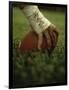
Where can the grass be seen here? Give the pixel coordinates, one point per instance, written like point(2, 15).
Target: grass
point(36, 68)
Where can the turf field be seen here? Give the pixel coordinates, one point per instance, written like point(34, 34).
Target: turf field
point(36, 68)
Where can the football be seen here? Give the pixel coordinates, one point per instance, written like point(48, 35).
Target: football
point(30, 42)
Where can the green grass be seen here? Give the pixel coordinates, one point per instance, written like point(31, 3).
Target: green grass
point(33, 68)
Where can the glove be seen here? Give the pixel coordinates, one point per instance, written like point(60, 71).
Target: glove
point(51, 35)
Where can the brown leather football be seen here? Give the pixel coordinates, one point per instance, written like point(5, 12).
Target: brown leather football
point(30, 41)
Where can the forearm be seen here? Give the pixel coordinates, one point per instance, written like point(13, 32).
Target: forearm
point(36, 18)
